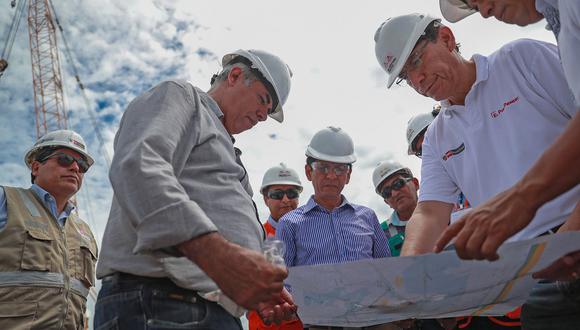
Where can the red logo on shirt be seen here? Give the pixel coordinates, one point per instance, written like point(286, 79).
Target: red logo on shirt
point(495, 114)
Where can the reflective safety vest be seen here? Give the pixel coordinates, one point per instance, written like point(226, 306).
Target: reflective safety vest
point(395, 234)
point(46, 270)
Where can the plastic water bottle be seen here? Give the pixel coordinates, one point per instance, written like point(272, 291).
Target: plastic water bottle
point(273, 251)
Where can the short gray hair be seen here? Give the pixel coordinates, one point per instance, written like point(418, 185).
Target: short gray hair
point(249, 76)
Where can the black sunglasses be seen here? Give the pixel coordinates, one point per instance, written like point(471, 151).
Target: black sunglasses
point(279, 194)
point(387, 191)
point(66, 160)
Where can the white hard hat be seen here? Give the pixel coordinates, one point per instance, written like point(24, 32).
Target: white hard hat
point(280, 174)
point(385, 169)
point(273, 69)
point(418, 124)
point(455, 10)
point(60, 138)
point(332, 144)
point(395, 40)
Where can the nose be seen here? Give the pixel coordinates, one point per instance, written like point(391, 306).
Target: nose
point(285, 198)
point(416, 78)
point(395, 192)
point(262, 114)
point(75, 167)
point(485, 8)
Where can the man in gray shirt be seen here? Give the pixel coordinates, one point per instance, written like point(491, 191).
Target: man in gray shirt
point(181, 246)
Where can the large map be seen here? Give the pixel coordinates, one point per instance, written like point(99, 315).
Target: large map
point(375, 291)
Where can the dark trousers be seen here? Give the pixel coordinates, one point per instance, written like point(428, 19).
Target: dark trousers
point(133, 302)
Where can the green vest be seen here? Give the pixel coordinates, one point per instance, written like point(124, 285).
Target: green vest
point(46, 270)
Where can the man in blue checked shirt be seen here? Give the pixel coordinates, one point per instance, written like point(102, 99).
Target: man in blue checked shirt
point(330, 229)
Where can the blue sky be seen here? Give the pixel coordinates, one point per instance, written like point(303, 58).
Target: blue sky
point(123, 48)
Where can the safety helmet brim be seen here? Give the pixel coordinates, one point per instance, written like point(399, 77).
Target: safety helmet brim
point(455, 10)
point(257, 63)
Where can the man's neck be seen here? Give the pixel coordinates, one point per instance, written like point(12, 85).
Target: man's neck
point(328, 203)
point(61, 201)
point(404, 215)
point(468, 74)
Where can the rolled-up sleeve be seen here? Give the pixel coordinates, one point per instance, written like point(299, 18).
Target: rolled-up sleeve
point(158, 130)
point(436, 185)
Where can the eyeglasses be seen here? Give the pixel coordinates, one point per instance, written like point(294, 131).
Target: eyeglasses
point(413, 62)
point(387, 191)
point(66, 160)
point(325, 169)
point(278, 194)
point(418, 148)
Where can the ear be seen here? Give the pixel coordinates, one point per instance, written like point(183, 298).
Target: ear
point(416, 183)
point(235, 75)
point(348, 175)
point(308, 171)
point(447, 38)
point(265, 198)
point(35, 165)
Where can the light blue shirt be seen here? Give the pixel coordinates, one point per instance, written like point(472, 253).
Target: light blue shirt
point(48, 201)
point(312, 235)
point(273, 222)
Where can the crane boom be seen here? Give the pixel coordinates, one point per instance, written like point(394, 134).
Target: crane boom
point(47, 80)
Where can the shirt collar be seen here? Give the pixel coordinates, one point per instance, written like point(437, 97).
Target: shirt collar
point(47, 199)
point(396, 221)
point(272, 222)
point(211, 103)
point(311, 204)
point(481, 74)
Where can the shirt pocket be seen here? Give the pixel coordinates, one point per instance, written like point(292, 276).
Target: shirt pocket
point(87, 261)
point(37, 249)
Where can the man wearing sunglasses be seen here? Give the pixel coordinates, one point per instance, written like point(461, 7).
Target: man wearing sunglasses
point(398, 188)
point(183, 230)
point(280, 188)
point(47, 253)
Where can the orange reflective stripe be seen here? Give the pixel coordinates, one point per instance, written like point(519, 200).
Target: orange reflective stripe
point(505, 323)
point(515, 314)
point(467, 320)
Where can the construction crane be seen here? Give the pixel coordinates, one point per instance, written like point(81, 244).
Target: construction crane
point(49, 101)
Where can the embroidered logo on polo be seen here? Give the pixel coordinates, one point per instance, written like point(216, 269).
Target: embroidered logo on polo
point(497, 113)
point(453, 152)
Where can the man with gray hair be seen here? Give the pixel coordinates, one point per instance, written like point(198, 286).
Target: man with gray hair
point(181, 247)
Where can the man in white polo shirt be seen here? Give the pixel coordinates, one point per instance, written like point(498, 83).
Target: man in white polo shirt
point(500, 113)
point(552, 305)
point(543, 181)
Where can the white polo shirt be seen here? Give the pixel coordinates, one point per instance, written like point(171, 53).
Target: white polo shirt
point(516, 108)
point(568, 22)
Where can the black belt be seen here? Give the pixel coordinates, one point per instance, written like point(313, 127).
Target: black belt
point(160, 284)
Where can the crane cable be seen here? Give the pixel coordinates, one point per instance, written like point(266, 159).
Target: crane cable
point(11, 35)
point(70, 60)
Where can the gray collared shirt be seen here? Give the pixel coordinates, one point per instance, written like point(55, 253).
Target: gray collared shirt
point(175, 177)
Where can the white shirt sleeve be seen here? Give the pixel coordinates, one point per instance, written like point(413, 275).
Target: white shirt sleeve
point(436, 185)
point(569, 44)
